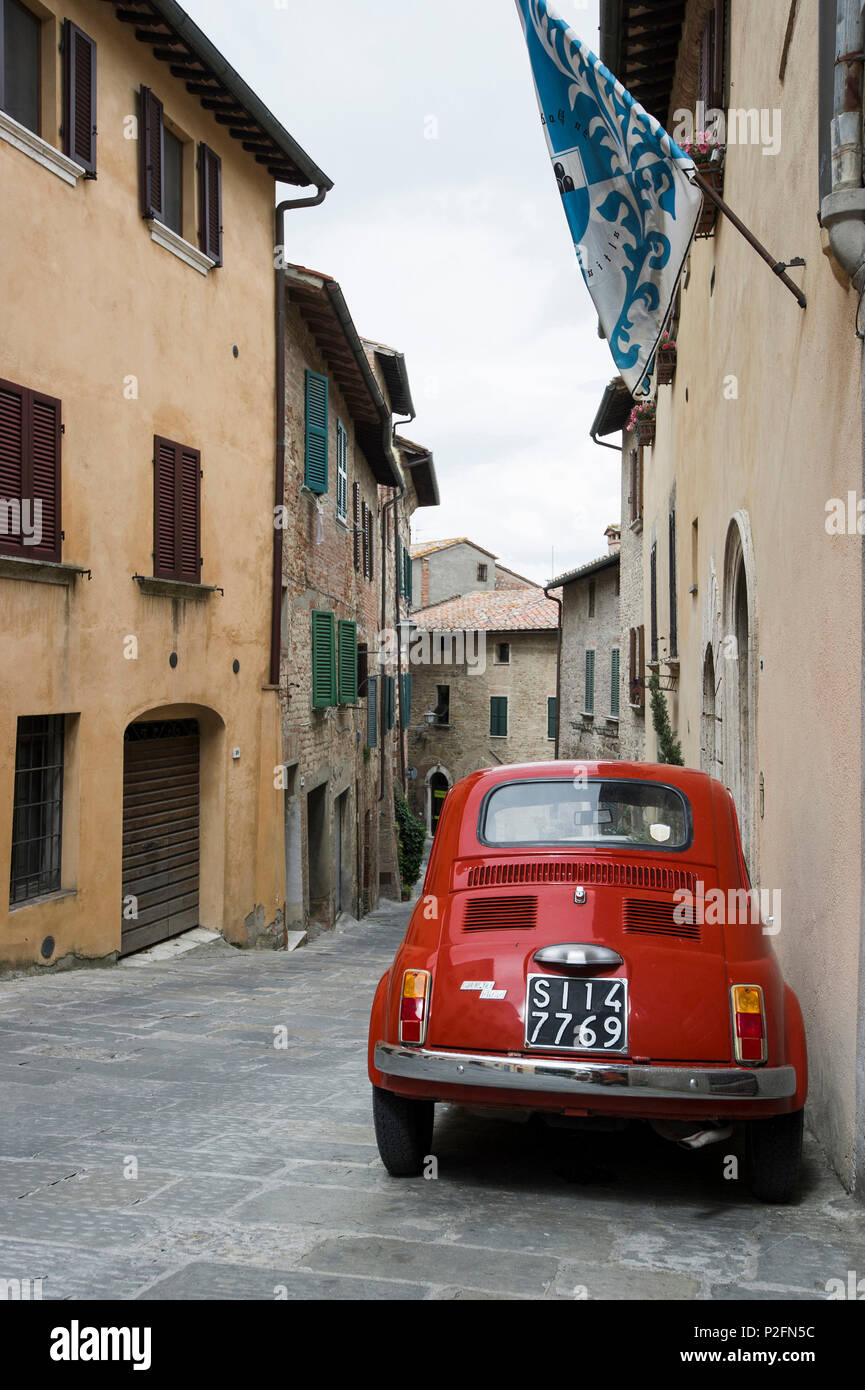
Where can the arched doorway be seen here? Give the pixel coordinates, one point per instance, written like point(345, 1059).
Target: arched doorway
point(709, 731)
point(438, 783)
point(739, 647)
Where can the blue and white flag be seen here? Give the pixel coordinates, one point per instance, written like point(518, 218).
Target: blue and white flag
point(625, 186)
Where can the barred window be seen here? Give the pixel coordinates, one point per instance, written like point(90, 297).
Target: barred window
point(38, 808)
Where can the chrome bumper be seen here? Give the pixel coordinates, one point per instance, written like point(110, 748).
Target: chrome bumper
point(549, 1075)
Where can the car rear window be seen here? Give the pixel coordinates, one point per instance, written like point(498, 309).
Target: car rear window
point(630, 814)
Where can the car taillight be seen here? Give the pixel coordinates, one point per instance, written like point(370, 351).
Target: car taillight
point(749, 1024)
point(414, 1006)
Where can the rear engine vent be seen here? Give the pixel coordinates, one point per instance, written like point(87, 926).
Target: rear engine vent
point(656, 918)
point(501, 914)
point(600, 871)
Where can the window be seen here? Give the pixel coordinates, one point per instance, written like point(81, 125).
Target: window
point(711, 69)
point(162, 156)
point(591, 598)
point(405, 682)
point(552, 715)
point(369, 543)
point(315, 448)
point(634, 815)
point(482, 573)
point(389, 694)
point(176, 511)
point(29, 473)
point(503, 653)
point(341, 472)
point(614, 683)
point(172, 182)
point(79, 97)
point(347, 666)
point(498, 716)
point(653, 599)
point(589, 703)
point(695, 554)
point(358, 516)
point(37, 816)
point(372, 712)
point(674, 602)
point(636, 667)
point(403, 569)
point(324, 691)
point(443, 705)
point(636, 497)
point(20, 39)
point(362, 670)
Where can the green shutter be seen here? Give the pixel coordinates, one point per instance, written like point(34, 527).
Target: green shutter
point(315, 469)
point(498, 716)
point(388, 701)
point(372, 712)
point(589, 706)
point(614, 683)
point(400, 569)
point(347, 662)
point(323, 659)
point(551, 716)
point(406, 555)
point(405, 698)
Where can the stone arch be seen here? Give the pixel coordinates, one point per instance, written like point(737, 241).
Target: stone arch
point(740, 648)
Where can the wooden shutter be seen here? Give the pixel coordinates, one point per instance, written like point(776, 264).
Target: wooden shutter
point(29, 473)
point(634, 692)
point(363, 538)
point(389, 701)
point(406, 559)
point(210, 203)
point(323, 659)
point(552, 704)
point(653, 599)
point(399, 569)
point(341, 471)
point(150, 143)
point(674, 601)
point(372, 712)
point(363, 676)
point(356, 516)
point(498, 715)
point(370, 544)
point(614, 682)
point(347, 662)
point(176, 511)
point(589, 705)
point(79, 97)
point(405, 682)
point(641, 663)
point(315, 471)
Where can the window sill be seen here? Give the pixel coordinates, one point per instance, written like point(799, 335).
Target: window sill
point(43, 898)
point(612, 719)
point(39, 571)
point(38, 149)
point(184, 250)
point(175, 588)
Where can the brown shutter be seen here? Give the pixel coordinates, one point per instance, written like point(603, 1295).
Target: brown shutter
point(210, 203)
point(362, 670)
point(79, 97)
point(365, 538)
point(30, 471)
point(176, 512)
point(641, 662)
point(150, 143)
point(370, 543)
point(356, 519)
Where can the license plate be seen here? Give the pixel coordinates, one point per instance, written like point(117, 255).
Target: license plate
point(577, 1015)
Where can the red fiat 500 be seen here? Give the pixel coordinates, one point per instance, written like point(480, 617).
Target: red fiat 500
point(587, 944)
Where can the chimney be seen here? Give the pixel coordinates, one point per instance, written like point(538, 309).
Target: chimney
point(614, 538)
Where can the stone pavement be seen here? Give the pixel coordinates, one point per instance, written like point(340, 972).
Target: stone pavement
point(155, 1143)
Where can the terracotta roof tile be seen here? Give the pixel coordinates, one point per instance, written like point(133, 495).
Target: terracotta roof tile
point(493, 610)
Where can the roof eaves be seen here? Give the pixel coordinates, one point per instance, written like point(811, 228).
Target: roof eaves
point(593, 567)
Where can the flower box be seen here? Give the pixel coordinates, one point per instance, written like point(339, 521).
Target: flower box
point(666, 367)
point(708, 155)
point(645, 431)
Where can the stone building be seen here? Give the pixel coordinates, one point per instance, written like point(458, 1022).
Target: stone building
point(592, 683)
point(350, 490)
point(139, 713)
point(443, 569)
point(491, 700)
point(750, 565)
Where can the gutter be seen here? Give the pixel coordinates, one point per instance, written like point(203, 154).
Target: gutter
point(560, 602)
point(842, 212)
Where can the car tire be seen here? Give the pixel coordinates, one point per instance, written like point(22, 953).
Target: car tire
point(774, 1148)
point(403, 1131)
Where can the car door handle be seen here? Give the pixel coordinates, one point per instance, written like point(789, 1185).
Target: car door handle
point(575, 955)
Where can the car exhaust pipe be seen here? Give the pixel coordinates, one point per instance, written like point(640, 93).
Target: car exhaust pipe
point(681, 1133)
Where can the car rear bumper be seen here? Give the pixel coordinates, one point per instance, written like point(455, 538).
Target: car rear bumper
point(549, 1075)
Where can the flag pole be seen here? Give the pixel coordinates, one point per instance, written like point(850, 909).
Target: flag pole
point(779, 267)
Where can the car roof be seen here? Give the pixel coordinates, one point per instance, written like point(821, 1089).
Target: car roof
point(685, 778)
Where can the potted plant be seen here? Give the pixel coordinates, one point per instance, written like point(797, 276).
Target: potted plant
point(666, 359)
point(707, 153)
point(642, 421)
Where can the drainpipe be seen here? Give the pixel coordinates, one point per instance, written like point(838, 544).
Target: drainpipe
point(843, 210)
point(397, 494)
point(279, 480)
point(558, 665)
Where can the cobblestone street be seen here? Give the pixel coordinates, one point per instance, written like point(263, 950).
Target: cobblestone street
point(258, 1175)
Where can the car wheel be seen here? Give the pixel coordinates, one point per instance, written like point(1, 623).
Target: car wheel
point(774, 1152)
point(403, 1131)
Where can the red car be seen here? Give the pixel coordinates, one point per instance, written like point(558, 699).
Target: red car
point(587, 945)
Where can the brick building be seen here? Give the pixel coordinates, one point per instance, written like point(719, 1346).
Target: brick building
point(498, 705)
point(443, 569)
point(350, 490)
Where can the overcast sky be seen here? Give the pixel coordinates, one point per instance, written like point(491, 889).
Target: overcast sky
point(453, 249)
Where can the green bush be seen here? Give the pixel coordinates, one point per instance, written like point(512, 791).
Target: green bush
point(411, 836)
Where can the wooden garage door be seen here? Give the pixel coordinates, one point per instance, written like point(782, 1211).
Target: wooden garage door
point(160, 832)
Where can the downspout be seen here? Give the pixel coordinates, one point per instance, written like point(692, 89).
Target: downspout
point(558, 667)
point(397, 494)
point(279, 480)
point(843, 211)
